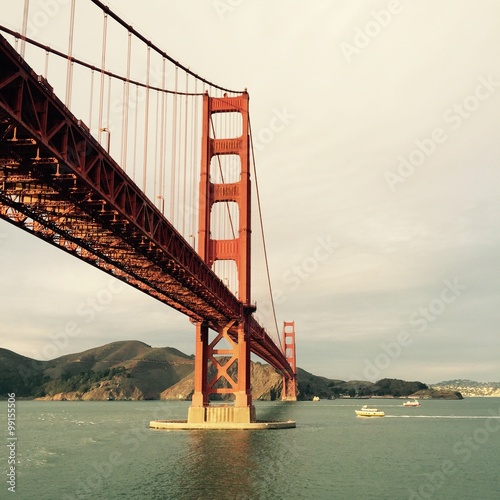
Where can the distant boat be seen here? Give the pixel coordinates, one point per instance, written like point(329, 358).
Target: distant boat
point(316, 398)
point(369, 412)
point(412, 402)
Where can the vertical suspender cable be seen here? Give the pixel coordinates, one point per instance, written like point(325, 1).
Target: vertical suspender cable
point(126, 97)
point(156, 150)
point(146, 124)
point(194, 162)
point(178, 163)
point(174, 152)
point(46, 70)
point(69, 73)
point(24, 27)
point(184, 187)
point(91, 98)
point(165, 144)
point(161, 186)
point(110, 80)
point(103, 66)
point(136, 126)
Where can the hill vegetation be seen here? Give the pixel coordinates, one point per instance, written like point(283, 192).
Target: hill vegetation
point(311, 385)
point(132, 370)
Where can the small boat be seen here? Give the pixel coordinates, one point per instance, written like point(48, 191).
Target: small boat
point(315, 398)
point(369, 412)
point(412, 403)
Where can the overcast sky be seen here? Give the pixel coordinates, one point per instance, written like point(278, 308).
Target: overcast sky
point(377, 133)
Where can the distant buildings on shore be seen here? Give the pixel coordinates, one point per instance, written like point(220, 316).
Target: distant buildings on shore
point(470, 388)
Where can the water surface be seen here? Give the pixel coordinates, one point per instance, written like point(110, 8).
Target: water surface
point(105, 450)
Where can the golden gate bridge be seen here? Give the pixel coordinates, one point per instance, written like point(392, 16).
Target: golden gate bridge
point(143, 171)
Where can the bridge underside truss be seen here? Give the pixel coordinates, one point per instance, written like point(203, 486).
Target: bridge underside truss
point(58, 183)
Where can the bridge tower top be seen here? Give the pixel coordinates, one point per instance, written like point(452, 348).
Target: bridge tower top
point(234, 186)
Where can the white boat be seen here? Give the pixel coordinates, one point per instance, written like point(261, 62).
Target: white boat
point(369, 412)
point(315, 398)
point(413, 403)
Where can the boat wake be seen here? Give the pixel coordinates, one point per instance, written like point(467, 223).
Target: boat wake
point(446, 416)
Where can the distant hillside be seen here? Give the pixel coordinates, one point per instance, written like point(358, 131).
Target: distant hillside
point(132, 370)
point(311, 385)
point(470, 388)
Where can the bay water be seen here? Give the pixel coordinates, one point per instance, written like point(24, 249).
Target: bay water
point(105, 450)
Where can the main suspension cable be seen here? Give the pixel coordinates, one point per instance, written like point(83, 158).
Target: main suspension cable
point(143, 39)
point(92, 67)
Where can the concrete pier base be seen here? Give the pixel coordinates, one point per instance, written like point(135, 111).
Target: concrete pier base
point(220, 417)
point(221, 413)
point(183, 425)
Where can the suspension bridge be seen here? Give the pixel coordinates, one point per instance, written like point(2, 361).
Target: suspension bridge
point(116, 153)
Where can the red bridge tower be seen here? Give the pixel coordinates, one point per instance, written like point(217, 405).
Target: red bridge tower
point(288, 347)
point(232, 376)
